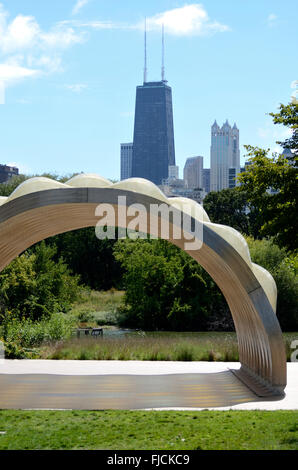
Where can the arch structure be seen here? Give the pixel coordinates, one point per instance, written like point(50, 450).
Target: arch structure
point(41, 207)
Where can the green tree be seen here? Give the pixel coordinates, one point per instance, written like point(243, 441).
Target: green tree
point(230, 207)
point(165, 288)
point(34, 285)
point(284, 270)
point(92, 259)
point(288, 116)
point(9, 186)
point(277, 210)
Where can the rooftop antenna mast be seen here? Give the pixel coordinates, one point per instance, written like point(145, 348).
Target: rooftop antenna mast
point(163, 55)
point(145, 52)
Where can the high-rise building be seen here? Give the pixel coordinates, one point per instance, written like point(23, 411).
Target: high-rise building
point(173, 172)
point(6, 172)
point(233, 177)
point(153, 141)
point(206, 180)
point(153, 148)
point(193, 173)
point(126, 160)
point(225, 154)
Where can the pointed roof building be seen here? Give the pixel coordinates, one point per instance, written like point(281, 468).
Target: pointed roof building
point(215, 125)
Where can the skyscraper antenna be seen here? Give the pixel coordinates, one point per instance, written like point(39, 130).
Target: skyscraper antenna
point(163, 54)
point(145, 52)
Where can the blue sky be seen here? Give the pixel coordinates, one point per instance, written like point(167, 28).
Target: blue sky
point(69, 69)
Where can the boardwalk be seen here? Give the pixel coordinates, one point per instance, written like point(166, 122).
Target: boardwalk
point(128, 385)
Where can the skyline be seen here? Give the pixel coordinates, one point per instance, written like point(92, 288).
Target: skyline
point(71, 72)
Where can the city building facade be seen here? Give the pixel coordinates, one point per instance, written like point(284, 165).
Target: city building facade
point(193, 173)
point(126, 160)
point(224, 154)
point(7, 172)
point(153, 141)
point(173, 172)
point(206, 180)
point(176, 188)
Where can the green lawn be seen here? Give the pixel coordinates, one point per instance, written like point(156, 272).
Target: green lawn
point(151, 430)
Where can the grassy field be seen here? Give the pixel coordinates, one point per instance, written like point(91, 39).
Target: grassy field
point(152, 346)
point(56, 338)
point(97, 308)
point(153, 430)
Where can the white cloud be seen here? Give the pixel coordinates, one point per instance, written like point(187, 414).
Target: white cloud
point(76, 88)
point(12, 73)
point(21, 33)
point(61, 37)
point(271, 19)
point(95, 24)
point(78, 6)
point(27, 51)
point(24, 33)
point(187, 20)
point(46, 63)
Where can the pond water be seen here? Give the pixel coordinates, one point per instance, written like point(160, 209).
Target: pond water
point(118, 333)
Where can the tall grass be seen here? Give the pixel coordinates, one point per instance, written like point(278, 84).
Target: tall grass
point(157, 346)
point(151, 347)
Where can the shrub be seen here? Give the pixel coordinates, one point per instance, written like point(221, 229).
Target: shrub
point(84, 316)
point(58, 327)
point(283, 268)
point(14, 351)
point(35, 286)
point(25, 333)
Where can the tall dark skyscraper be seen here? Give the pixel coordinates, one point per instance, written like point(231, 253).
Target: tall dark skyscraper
point(153, 141)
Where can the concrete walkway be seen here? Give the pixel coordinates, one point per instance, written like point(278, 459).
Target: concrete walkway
point(50, 384)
